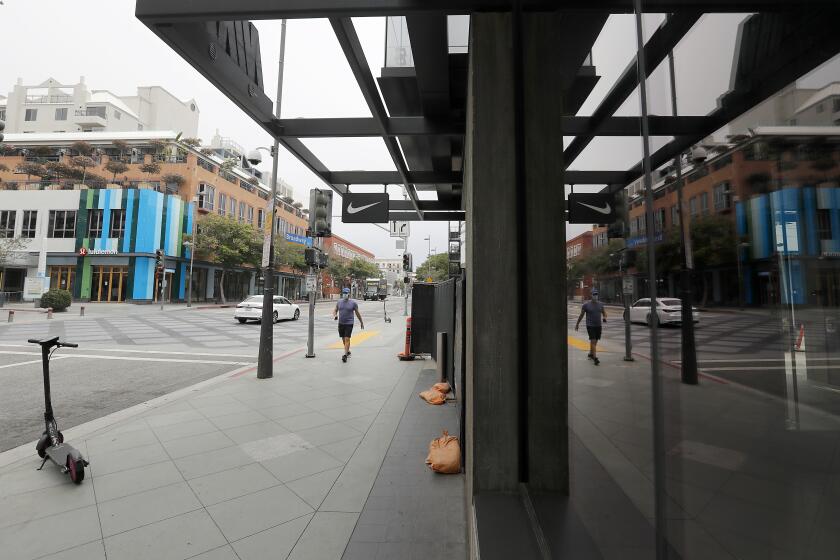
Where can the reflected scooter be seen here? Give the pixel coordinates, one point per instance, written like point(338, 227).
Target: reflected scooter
point(51, 445)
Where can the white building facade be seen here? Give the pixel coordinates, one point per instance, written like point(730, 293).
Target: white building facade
point(51, 107)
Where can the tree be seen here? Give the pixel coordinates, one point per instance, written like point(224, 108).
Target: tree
point(42, 151)
point(6, 149)
point(173, 179)
point(115, 166)
point(3, 168)
point(84, 162)
point(229, 243)
point(191, 142)
point(360, 268)
point(291, 255)
point(157, 145)
point(82, 148)
point(57, 170)
point(31, 168)
point(228, 164)
point(8, 245)
point(121, 146)
point(713, 245)
point(436, 266)
point(150, 168)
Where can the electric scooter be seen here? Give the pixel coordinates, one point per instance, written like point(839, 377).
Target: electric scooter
point(51, 445)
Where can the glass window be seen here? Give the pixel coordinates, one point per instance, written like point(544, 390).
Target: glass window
point(675, 215)
point(692, 206)
point(251, 215)
point(94, 224)
point(837, 104)
point(62, 224)
point(96, 112)
point(206, 197)
point(222, 204)
point(242, 211)
point(61, 114)
point(117, 223)
point(260, 218)
point(29, 225)
point(117, 115)
point(824, 224)
point(31, 115)
point(704, 203)
point(2, 113)
point(233, 208)
point(721, 193)
point(7, 223)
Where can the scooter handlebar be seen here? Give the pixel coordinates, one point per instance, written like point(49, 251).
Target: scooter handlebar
point(34, 341)
point(68, 344)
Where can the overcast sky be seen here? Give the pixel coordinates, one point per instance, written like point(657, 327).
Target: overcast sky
point(103, 41)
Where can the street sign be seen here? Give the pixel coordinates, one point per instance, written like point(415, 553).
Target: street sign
point(310, 282)
point(591, 208)
point(399, 229)
point(366, 208)
point(627, 285)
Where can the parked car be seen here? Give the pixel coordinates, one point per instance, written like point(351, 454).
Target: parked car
point(668, 311)
point(251, 309)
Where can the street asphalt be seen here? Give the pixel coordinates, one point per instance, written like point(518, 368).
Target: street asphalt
point(129, 358)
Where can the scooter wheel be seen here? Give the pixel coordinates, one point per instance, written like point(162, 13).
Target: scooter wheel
point(41, 446)
point(76, 469)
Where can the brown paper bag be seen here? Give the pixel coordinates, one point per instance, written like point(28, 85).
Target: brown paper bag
point(442, 387)
point(445, 454)
point(433, 397)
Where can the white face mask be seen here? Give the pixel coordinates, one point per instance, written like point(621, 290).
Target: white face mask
point(594, 297)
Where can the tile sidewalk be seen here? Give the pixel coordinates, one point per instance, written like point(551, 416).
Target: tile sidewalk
point(238, 468)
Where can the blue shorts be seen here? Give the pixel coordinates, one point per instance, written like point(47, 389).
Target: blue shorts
point(345, 331)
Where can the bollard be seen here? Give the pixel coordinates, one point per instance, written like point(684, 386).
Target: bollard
point(11, 315)
point(81, 311)
point(406, 354)
point(49, 313)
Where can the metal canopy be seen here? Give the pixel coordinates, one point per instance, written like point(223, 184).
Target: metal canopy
point(422, 117)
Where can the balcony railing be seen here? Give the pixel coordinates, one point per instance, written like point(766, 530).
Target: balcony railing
point(33, 99)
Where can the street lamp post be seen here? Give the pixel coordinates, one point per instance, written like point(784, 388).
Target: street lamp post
point(265, 363)
point(429, 239)
point(688, 347)
point(191, 246)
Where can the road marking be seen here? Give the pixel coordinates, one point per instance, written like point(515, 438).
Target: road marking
point(582, 344)
point(30, 362)
point(132, 359)
point(173, 353)
point(355, 339)
point(765, 368)
point(737, 361)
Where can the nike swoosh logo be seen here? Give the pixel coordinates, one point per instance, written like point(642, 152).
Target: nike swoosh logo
point(605, 210)
point(352, 210)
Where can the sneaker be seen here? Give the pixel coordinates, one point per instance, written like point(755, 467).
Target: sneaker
point(596, 360)
point(349, 354)
point(589, 355)
point(344, 358)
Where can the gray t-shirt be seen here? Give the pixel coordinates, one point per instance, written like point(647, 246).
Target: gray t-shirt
point(593, 310)
point(346, 307)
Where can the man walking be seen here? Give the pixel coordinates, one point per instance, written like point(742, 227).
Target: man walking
point(344, 310)
point(594, 310)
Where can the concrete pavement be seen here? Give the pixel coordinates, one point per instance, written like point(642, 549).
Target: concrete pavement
point(233, 468)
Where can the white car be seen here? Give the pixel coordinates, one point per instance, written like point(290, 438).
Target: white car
point(668, 310)
point(251, 309)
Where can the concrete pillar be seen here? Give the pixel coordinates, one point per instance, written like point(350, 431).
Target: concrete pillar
point(516, 363)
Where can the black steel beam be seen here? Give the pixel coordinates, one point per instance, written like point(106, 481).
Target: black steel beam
point(631, 126)
point(345, 32)
point(164, 11)
point(775, 50)
point(365, 126)
point(571, 177)
point(428, 216)
point(426, 205)
point(657, 48)
point(393, 178)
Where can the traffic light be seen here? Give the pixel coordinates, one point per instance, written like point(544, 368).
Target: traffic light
point(320, 212)
point(323, 259)
point(407, 262)
point(2, 128)
point(310, 256)
point(618, 229)
point(159, 266)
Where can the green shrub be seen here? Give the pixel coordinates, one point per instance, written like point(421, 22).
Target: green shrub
point(59, 300)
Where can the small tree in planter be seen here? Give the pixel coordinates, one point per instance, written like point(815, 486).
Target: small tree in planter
point(58, 300)
point(84, 162)
point(82, 148)
point(191, 142)
point(115, 166)
point(173, 179)
point(31, 168)
point(121, 146)
point(3, 168)
point(151, 168)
